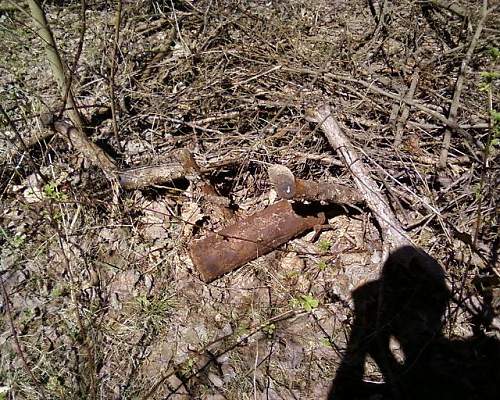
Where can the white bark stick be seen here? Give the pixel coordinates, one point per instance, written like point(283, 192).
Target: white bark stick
point(392, 232)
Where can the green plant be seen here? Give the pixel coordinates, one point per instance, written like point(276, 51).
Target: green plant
point(305, 301)
point(269, 330)
point(322, 265)
point(50, 190)
point(494, 53)
point(154, 309)
point(325, 245)
point(188, 367)
point(16, 241)
point(4, 391)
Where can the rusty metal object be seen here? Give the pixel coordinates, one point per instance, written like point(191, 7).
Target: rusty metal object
point(252, 237)
point(289, 187)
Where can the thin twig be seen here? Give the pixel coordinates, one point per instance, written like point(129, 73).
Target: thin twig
point(83, 29)
point(452, 115)
point(406, 110)
point(114, 53)
point(17, 344)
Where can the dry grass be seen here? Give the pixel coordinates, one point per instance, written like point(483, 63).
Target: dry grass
point(103, 298)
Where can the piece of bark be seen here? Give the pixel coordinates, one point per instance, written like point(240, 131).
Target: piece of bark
point(142, 177)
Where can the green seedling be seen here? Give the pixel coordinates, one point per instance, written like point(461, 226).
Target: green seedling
point(269, 330)
point(305, 301)
point(15, 241)
point(188, 367)
point(494, 53)
point(50, 190)
point(154, 309)
point(322, 265)
point(325, 245)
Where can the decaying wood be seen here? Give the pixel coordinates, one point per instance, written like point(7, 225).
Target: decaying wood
point(392, 232)
point(289, 187)
point(129, 179)
point(142, 177)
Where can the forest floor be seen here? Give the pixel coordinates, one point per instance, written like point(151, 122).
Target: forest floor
point(100, 298)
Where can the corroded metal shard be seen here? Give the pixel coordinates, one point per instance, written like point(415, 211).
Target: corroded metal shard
point(252, 237)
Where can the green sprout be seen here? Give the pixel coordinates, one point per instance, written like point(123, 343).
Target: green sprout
point(50, 190)
point(325, 245)
point(494, 53)
point(322, 265)
point(269, 330)
point(305, 301)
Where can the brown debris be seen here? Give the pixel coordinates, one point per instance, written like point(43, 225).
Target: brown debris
point(289, 187)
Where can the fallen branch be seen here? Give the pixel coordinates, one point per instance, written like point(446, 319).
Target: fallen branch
point(287, 186)
point(406, 110)
point(392, 232)
point(452, 115)
point(129, 179)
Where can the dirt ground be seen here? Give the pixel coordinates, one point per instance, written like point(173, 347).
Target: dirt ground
point(100, 299)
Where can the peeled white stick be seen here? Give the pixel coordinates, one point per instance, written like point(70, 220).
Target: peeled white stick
point(392, 233)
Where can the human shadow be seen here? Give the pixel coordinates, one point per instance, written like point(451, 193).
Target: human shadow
point(407, 304)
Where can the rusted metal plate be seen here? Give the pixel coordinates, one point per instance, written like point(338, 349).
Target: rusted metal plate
point(252, 237)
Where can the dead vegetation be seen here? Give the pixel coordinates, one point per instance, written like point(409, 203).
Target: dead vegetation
point(100, 298)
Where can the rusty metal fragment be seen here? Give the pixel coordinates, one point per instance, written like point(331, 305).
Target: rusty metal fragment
point(252, 237)
point(289, 187)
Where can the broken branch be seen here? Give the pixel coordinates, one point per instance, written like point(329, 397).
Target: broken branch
point(389, 225)
point(289, 187)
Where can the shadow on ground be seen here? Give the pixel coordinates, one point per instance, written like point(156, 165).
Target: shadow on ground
point(407, 304)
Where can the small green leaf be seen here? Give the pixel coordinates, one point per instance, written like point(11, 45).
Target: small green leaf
point(305, 301)
point(490, 76)
point(325, 245)
point(495, 53)
point(322, 265)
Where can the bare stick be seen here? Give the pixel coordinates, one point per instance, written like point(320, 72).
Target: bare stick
point(392, 231)
point(452, 115)
point(58, 70)
point(18, 347)
point(118, 19)
point(406, 109)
